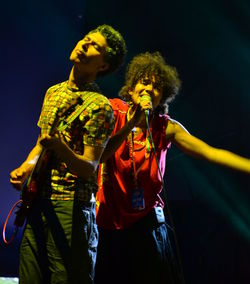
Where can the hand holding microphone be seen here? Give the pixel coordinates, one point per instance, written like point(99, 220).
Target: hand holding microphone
point(142, 110)
point(146, 104)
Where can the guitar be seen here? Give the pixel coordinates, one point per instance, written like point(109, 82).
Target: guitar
point(30, 188)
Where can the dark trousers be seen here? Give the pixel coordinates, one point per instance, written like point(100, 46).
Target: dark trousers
point(59, 243)
point(141, 254)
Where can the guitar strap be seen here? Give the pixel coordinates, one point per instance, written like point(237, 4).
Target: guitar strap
point(64, 124)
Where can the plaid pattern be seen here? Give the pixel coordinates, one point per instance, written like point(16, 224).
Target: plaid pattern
point(92, 127)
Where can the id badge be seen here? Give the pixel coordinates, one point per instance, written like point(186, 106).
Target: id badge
point(159, 215)
point(137, 199)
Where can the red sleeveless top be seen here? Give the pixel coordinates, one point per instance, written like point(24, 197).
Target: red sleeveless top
point(116, 175)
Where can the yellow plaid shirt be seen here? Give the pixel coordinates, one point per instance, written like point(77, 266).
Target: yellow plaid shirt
point(92, 127)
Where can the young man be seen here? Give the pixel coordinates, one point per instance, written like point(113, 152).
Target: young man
point(133, 244)
point(60, 238)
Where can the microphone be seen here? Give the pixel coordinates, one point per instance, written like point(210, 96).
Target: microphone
point(147, 99)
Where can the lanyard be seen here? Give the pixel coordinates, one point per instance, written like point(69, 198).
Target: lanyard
point(131, 154)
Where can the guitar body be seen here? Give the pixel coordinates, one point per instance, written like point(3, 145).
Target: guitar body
point(28, 197)
point(31, 187)
point(30, 190)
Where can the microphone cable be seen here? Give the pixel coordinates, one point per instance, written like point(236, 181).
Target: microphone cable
point(171, 226)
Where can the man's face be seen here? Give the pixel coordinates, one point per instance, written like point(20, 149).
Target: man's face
point(147, 86)
point(89, 52)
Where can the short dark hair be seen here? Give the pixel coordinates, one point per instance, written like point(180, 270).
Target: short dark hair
point(116, 49)
point(152, 64)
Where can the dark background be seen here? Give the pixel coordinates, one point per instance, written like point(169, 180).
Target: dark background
point(209, 43)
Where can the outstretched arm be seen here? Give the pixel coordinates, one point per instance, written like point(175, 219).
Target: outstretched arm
point(195, 147)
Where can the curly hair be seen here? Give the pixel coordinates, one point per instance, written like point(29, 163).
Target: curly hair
point(148, 65)
point(116, 49)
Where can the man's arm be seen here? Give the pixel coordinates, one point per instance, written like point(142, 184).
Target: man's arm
point(19, 175)
point(82, 165)
point(195, 147)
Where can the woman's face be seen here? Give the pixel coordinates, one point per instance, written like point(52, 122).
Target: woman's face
point(149, 87)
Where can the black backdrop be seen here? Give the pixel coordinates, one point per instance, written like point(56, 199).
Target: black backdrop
point(208, 41)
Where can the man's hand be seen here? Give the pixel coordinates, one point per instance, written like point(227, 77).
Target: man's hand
point(53, 143)
point(19, 175)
